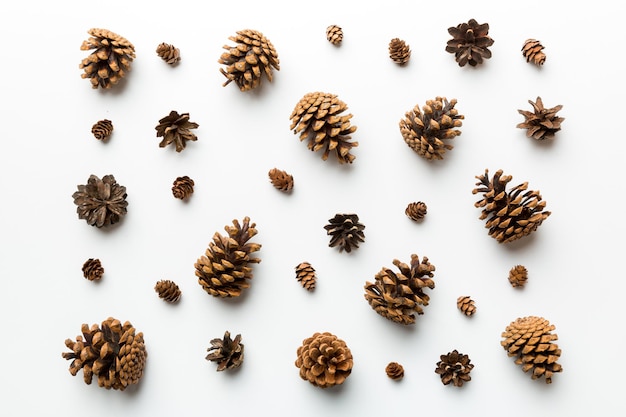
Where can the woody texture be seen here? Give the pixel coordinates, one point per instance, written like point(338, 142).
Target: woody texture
point(470, 43)
point(226, 352)
point(176, 129)
point(281, 180)
point(533, 52)
point(182, 188)
point(466, 305)
point(168, 53)
point(394, 370)
point(101, 202)
point(416, 211)
point(168, 290)
point(305, 274)
point(334, 34)
point(518, 276)
point(399, 51)
point(345, 231)
point(454, 368)
point(110, 58)
point(92, 269)
point(541, 123)
point(102, 129)
point(324, 360)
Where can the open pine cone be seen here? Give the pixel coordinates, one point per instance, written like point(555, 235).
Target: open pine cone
point(454, 368)
point(345, 231)
point(324, 360)
point(101, 202)
point(470, 43)
point(114, 353)
point(227, 352)
point(397, 296)
point(110, 60)
point(176, 128)
point(542, 123)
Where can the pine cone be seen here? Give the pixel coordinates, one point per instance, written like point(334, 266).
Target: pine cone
point(345, 231)
point(227, 352)
point(394, 370)
point(92, 269)
point(470, 43)
point(305, 274)
point(253, 56)
point(280, 179)
point(454, 367)
point(466, 305)
point(110, 61)
point(168, 53)
point(176, 128)
point(101, 202)
point(317, 117)
point(334, 34)
point(114, 353)
point(168, 290)
point(416, 211)
point(182, 187)
point(530, 340)
point(541, 123)
point(397, 296)
point(324, 360)
point(102, 129)
point(426, 132)
point(399, 51)
point(533, 51)
point(510, 214)
point(518, 275)
point(224, 271)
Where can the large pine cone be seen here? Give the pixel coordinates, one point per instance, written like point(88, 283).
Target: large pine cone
point(510, 214)
point(109, 61)
point(533, 51)
point(101, 202)
point(224, 270)
point(397, 296)
point(324, 360)
point(470, 43)
point(530, 340)
point(227, 352)
point(253, 56)
point(399, 51)
point(541, 123)
point(425, 132)
point(454, 367)
point(114, 353)
point(317, 117)
point(345, 231)
point(176, 128)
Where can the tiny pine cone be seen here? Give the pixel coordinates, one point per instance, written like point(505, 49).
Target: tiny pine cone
point(168, 290)
point(102, 129)
point(394, 370)
point(518, 275)
point(466, 305)
point(305, 274)
point(281, 180)
point(92, 269)
point(416, 211)
point(169, 53)
point(334, 34)
point(533, 51)
point(182, 187)
point(399, 51)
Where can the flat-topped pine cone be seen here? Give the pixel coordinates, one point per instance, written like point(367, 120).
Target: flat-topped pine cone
point(533, 52)
point(542, 123)
point(224, 270)
point(110, 59)
point(305, 274)
point(317, 118)
point(176, 128)
point(512, 214)
point(92, 269)
point(324, 360)
point(100, 202)
point(182, 187)
point(334, 34)
point(102, 129)
point(428, 131)
point(470, 43)
point(226, 352)
point(454, 368)
point(530, 341)
point(345, 231)
point(416, 211)
point(518, 275)
point(168, 53)
point(398, 296)
point(466, 305)
point(114, 353)
point(399, 51)
point(168, 290)
point(247, 61)
point(280, 179)
point(394, 370)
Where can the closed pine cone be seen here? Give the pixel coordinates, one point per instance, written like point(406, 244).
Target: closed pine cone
point(176, 128)
point(466, 305)
point(334, 34)
point(427, 131)
point(470, 43)
point(394, 370)
point(509, 215)
point(542, 123)
point(224, 270)
point(533, 51)
point(101, 202)
point(324, 360)
point(182, 187)
point(280, 179)
point(114, 353)
point(317, 117)
point(397, 296)
point(168, 53)
point(305, 274)
point(92, 269)
point(110, 60)
point(247, 61)
point(102, 129)
point(416, 211)
point(399, 51)
point(530, 341)
point(345, 231)
point(168, 290)
point(227, 352)
point(518, 275)
point(454, 368)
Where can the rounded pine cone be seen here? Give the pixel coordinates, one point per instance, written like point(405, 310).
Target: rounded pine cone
point(101, 202)
point(518, 275)
point(182, 187)
point(345, 231)
point(530, 341)
point(542, 123)
point(168, 53)
point(176, 128)
point(168, 290)
point(92, 269)
point(470, 43)
point(102, 129)
point(324, 360)
point(305, 274)
point(416, 211)
point(227, 352)
point(533, 51)
point(110, 60)
point(394, 370)
point(454, 368)
point(334, 34)
point(280, 179)
point(466, 305)
point(399, 51)
point(114, 353)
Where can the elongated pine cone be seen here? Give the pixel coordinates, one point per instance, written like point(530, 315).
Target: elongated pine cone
point(466, 305)
point(92, 269)
point(226, 352)
point(101, 202)
point(470, 43)
point(114, 353)
point(182, 187)
point(305, 274)
point(102, 129)
point(110, 60)
point(176, 128)
point(280, 179)
point(542, 123)
point(317, 117)
point(247, 61)
point(533, 52)
point(428, 131)
point(168, 53)
point(398, 296)
point(518, 275)
point(324, 360)
point(334, 34)
point(399, 51)
point(416, 211)
point(224, 270)
point(512, 214)
point(168, 290)
point(454, 368)
point(530, 341)
point(345, 231)
point(394, 370)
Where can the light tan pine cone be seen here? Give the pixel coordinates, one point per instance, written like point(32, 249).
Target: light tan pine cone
point(182, 187)
point(168, 53)
point(416, 211)
point(542, 123)
point(305, 274)
point(102, 129)
point(394, 370)
point(518, 275)
point(454, 368)
point(399, 51)
point(334, 34)
point(226, 352)
point(168, 290)
point(324, 360)
point(110, 59)
point(280, 179)
point(466, 305)
point(533, 52)
point(92, 269)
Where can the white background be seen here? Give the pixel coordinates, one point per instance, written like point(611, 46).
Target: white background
point(576, 277)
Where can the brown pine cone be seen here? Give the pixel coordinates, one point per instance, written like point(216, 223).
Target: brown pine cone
point(345, 231)
point(324, 360)
point(399, 51)
point(533, 51)
point(334, 34)
point(176, 128)
point(182, 187)
point(102, 129)
point(518, 275)
point(466, 305)
point(168, 53)
point(110, 60)
point(101, 202)
point(394, 370)
point(92, 269)
point(542, 123)
point(454, 367)
point(280, 179)
point(227, 352)
point(416, 211)
point(470, 43)
point(305, 274)
point(168, 290)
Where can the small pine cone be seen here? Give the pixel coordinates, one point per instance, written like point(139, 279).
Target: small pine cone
point(305, 274)
point(324, 360)
point(317, 117)
point(280, 179)
point(101, 202)
point(425, 132)
point(345, 231)
point(334, 34)
point(470, 43)
point(102, 129)
point(530, 341)
point(253, 56)
point(416, 211)
point(542, 123)
point(227, 352)
point(394, 370)
point(169, 53)
point(512, 214)
point(176, 128)
point(533, 51)
point(454, 367)
point(518, 275)
point(399, 51)
point(466, 305)
point(168, 290)
point(111, 59)
point(92, 269)
point(182, 187)
point(114, 353)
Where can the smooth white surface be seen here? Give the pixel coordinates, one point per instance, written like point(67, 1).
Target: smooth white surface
point(574, 259)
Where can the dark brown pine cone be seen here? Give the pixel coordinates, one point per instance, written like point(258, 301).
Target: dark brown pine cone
point(334, 34)
point(227, 352)
point(305, 274)
point(92, 269)
point(399, 51)
point(345, 231)
point(324, 360)
point(182, 187)
point(102, 129)
point(168, 290)
point(110, 60)
point(176, 128)
point(168, 53)
point(533, 52)
point(542, 123)
point(394, 370)
point(470, 43)
point(101, 202)
point(466, 305)
point(416, 211)
point(454, 368)
point(518, 275)
point(280, 179)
